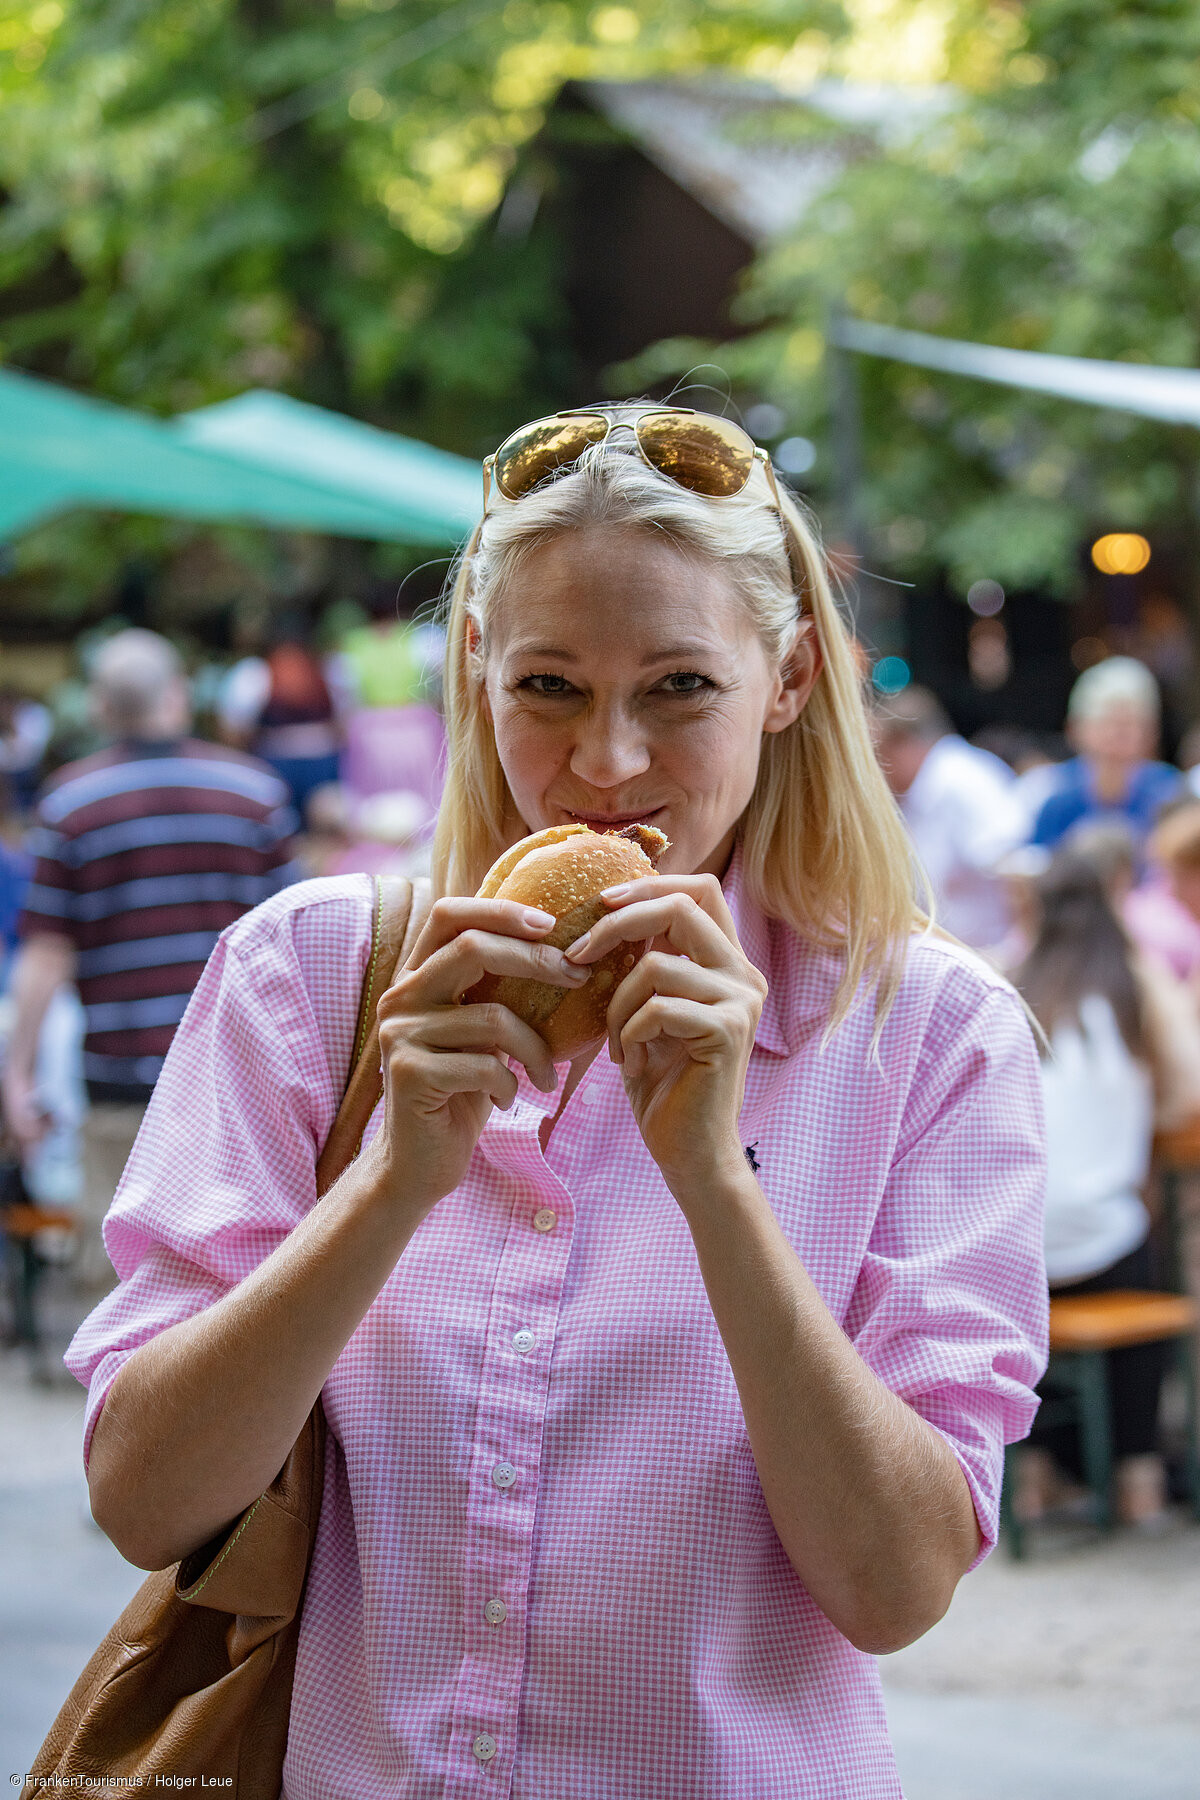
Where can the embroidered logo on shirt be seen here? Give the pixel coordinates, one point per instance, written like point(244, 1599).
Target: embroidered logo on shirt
point(751, 1158)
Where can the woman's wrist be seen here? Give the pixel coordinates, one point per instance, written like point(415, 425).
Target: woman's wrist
point(714, 1185)
point(372, 1194)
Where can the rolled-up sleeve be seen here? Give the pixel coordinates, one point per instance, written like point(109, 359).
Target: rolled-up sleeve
point(950, 1308)
point(223, 1167)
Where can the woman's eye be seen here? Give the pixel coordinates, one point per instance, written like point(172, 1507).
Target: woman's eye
point(684, 682)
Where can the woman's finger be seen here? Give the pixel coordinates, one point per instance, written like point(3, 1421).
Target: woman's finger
point(449, 971)
point(492, 1027)
point(429, 1079)
point(675, 918)
point(702, 1028)
point(661, 973)
point(456, 913)
point(705, 890)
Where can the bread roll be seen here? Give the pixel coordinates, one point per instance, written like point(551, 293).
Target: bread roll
point(562, 871)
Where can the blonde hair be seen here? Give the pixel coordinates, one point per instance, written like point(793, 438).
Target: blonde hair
point(823, 845)
point(1175, 840)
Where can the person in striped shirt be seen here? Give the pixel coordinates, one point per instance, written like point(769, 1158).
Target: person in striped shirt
point(144, 853)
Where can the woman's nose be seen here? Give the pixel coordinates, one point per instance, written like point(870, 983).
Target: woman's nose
point(609, 750)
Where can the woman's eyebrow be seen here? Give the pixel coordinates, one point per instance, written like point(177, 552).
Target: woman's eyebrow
point(671, 652)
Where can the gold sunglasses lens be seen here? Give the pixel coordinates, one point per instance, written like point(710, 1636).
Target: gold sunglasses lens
point(540, 449)
point(710, 456)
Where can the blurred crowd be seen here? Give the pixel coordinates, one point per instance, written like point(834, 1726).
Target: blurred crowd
point(132, 832)
point(1073, 865)
point(1078, 875)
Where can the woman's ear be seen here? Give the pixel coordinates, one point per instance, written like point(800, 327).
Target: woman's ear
point(796, 679)
point(474, 640)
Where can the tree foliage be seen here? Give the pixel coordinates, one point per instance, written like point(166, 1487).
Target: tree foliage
point(1054, 206)
point(205, 195)
point(200, 196)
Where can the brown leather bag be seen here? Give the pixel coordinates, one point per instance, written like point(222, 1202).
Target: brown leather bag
point(195, 1677)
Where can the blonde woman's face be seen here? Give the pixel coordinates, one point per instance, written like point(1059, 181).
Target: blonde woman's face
point(625, 682)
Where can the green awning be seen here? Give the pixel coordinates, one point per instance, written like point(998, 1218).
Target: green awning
point(435, 497)
point(59, 449)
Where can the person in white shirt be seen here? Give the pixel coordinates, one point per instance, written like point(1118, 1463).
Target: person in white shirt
point(962, 812)
point(1113, 1067)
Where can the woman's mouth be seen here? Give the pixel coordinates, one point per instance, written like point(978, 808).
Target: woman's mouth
point(612, 821)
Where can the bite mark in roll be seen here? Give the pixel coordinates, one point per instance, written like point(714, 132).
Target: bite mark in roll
point(562, 870)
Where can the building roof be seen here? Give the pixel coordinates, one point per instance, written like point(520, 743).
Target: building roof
point(756, 157)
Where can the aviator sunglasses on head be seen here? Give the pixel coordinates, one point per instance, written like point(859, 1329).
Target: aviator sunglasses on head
point(707, 455)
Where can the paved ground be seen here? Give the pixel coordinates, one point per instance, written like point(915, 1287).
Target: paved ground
point(1071, 1677)
point(1074, 1676)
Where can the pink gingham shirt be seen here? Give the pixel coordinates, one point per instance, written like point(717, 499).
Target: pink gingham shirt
point(545, 1569)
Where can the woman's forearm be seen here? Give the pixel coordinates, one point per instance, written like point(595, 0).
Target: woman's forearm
point(201, 1419)
point(867, 1498)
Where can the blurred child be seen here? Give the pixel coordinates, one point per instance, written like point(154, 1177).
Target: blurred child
point(1175, 850)
point(1114, 1065)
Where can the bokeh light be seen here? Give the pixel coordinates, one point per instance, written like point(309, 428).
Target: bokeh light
point(891, 674)
point(985, 598)
point(765, 421)
point(795, 456)
point(1121, 553)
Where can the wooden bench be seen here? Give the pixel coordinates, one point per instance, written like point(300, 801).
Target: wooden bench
point(1086, 1322)
point(22, 1223)
point(1083, 1328)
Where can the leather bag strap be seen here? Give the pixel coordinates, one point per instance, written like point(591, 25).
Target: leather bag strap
point(401, 909)
point(255, 1573)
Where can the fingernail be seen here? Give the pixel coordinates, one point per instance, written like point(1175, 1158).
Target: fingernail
point(540, 921)
point(614, 893)
point(580, 945)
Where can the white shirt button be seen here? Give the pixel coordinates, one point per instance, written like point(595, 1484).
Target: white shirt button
point(523, 1342)
point(485, 1747)
point(495, 1612)
point(545, 1220)
point(590, 1096)
point(504, 1475)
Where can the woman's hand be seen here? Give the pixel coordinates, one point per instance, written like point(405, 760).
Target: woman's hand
point(682, 1022)
point(444, 1064)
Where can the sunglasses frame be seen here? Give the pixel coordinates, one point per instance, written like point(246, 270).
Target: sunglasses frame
point(611, 422)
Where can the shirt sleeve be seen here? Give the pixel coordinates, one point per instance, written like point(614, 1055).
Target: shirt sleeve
point(52, 895)
point(951, 1305)
point(279, 847)
point(224, 1164)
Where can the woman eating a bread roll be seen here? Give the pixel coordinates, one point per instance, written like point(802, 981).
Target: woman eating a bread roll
point(673, 1318)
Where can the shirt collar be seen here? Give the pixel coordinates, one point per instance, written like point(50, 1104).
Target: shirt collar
point(762, 939)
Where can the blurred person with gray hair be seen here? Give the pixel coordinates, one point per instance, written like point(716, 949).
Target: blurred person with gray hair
point(144, 853)
point(1113, 726)
point(962, 811)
